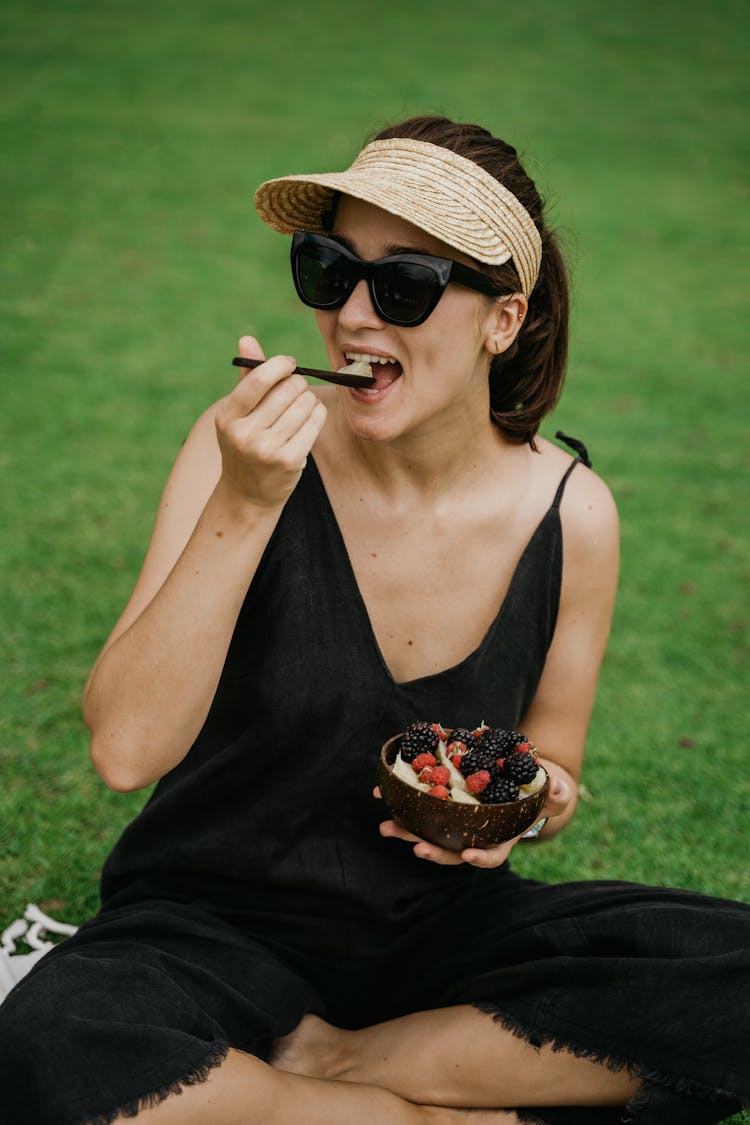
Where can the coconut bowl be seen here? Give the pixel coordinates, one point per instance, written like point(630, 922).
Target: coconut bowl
point(447, 823)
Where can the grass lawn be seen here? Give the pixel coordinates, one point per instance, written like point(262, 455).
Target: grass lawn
point(132, 260)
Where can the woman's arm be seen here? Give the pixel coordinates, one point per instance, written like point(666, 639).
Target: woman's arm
point(558, 718)
point(152, 686)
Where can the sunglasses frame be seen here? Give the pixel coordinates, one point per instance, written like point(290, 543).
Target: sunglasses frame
point(445, 269)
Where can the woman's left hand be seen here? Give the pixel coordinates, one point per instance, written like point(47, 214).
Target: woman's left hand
point(557, 803)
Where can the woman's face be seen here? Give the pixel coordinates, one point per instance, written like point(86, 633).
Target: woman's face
point(439, 370)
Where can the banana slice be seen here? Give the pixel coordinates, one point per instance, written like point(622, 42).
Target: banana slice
point(358, 367)
point(404, 771)
point(463, 797)
point(535, 784)
point(457, 780)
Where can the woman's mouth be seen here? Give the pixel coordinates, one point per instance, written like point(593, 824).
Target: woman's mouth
point(385, 369)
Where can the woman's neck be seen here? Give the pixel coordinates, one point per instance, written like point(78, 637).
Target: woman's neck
point(439, 459)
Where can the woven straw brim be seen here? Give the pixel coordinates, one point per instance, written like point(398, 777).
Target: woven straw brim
point(299, 203)
point(444, 194)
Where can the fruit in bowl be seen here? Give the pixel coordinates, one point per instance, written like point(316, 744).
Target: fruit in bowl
point(461, 788)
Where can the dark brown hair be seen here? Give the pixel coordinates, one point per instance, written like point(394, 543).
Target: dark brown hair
point(526, 380)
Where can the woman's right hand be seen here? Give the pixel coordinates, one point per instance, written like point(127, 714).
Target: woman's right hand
point(265, 429)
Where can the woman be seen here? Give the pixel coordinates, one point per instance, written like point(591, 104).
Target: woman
point(326, 567)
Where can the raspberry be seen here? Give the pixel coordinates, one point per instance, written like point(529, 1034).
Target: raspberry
point(455, 760)
point(423, 760)
point(425, 775)
point(478, 781)
point(457, 747)
point(521, 768)
point(523, 748)
point(418, 738)
point(441, 775)
point(439, 791)
point(439, 731)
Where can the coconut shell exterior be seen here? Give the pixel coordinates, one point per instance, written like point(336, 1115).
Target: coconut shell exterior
point(447, 823)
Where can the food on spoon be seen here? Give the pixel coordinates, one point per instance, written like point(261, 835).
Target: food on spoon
point(358, 367)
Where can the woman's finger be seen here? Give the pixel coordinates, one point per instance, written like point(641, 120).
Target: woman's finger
point(423, 849)
point(394, 829)
point(434, 854)
point(489, 857)
point(293, 417)
point(558, 798)
point(250, 349)
point(295, 450)
point(259, 383)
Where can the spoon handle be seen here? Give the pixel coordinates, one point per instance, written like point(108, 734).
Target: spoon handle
point(330, 376)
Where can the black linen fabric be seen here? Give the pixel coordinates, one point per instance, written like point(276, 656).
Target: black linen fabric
point(254, 885)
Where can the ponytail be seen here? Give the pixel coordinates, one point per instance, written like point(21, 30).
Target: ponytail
point(525, 381)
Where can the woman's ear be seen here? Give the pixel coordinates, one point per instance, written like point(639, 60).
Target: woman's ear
point(505, 322)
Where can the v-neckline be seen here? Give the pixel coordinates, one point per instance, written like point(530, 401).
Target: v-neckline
point(365, 613)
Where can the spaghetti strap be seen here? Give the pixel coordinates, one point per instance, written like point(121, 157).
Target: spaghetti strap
point(582, 455)
point(577, 447)
point(564, 481)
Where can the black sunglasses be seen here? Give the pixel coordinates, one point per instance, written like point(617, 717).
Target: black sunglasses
point(404, 288)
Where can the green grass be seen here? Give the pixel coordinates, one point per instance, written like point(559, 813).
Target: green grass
point(132, 260)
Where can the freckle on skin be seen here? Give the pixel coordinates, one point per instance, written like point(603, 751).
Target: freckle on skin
point(219, 534)
point(410, 642)
point(373, 555)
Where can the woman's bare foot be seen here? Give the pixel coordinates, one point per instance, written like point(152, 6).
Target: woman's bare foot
point(318, 1050)
point(314, 1048)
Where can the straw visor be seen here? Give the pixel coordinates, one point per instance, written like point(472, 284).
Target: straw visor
point(437, 190)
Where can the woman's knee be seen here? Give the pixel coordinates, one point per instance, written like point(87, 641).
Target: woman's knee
point(94, 1035)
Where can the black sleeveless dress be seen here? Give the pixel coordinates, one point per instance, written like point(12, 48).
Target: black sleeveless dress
point(254, 885)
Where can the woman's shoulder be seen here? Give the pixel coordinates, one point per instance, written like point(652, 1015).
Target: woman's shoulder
point(582, 487)
point(588, 511)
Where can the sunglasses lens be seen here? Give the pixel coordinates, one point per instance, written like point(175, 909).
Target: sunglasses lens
point(406, 291)
point(323, 276)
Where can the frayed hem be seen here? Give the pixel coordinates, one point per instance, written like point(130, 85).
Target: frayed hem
point(216, 1054)
point(651, 1080)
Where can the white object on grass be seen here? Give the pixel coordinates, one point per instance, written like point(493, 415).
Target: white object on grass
point(32, 930)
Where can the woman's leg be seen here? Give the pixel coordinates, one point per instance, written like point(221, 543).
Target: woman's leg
point(452, 1056)
point(246, 1091)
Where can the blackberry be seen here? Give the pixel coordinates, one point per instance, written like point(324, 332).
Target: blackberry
point(499, 790)
point(478, 758)
point(515, 738)
point(461, 734)
point(418, 738)
point(502, 742)
point(521, 768)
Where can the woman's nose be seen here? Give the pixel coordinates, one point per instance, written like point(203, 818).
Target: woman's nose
point(358, 310)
